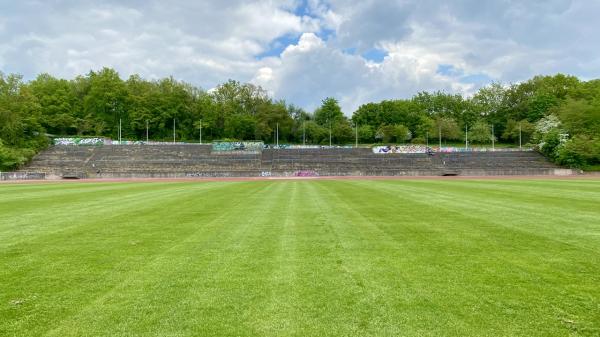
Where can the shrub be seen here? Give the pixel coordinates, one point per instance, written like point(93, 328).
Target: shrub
point(579, 152)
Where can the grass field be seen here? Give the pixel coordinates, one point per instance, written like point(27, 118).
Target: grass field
point(301, 258)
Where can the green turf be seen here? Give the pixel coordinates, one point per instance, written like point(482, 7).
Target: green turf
point(301, 258)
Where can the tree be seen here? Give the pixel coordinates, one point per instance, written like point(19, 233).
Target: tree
point(240, 127)
point(20, 114)
point(401, 133)
point(106, 100)
point(558, 113)
point(393, 133)
point(480, 132)
point(342, 132)
point(447, 127)
point(366, 134)
point(368, 114)
point(21, 134)
point(56, 100)
point(271, 114)
point(514, 129)
point(316, 134)
point(490, 100)
point(143, 97)
point(329, 112)
point(579, 116)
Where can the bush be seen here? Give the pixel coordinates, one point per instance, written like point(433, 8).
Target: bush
point(550, 143)
point(419, 140)
point(12, 158)
point(581, 151)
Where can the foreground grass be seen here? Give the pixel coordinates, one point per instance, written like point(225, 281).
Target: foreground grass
point(301, 258)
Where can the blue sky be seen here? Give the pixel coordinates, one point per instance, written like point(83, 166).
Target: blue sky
point(304, 51)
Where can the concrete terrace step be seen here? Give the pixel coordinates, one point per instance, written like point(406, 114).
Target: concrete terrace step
point(197, 160)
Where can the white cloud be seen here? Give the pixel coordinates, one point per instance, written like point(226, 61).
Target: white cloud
point(314, 46)
point(201, 42)
point(311, 71)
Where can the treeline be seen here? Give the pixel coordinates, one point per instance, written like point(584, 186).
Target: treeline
point(559, 114)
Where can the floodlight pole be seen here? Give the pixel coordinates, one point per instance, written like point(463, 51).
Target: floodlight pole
point(329, 133)
point(493, 140)
point(520, 136)
point(304, 132)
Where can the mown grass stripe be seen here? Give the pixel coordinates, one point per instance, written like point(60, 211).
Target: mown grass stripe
point(301, 258)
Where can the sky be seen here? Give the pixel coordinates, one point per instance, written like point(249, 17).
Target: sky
point(303, 51)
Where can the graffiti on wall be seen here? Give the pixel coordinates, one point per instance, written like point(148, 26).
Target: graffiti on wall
point(443, 149)
point(243, 147)
point(302, 147)
point(81, 141)
point(22, 176)
point(306, 173)
point(451, 149)
point(199, 174)
point(108, 141)
point(402, 149)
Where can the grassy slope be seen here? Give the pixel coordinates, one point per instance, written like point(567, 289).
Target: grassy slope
point(302, 258)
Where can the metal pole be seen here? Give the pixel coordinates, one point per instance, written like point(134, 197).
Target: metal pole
point(146, 131)
point(277, 135)
point(440, 134)
point(466, 137)
point(356, 135)
point(329, 133)
point(303, 132)
point(173, 130)
point(119, 131)
point(520, 136)
point(200, 131)
point(493, 140)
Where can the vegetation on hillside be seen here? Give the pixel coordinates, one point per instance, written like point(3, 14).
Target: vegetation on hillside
point(560, 114)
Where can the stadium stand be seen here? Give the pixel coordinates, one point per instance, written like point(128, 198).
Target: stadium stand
point(194, 160)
